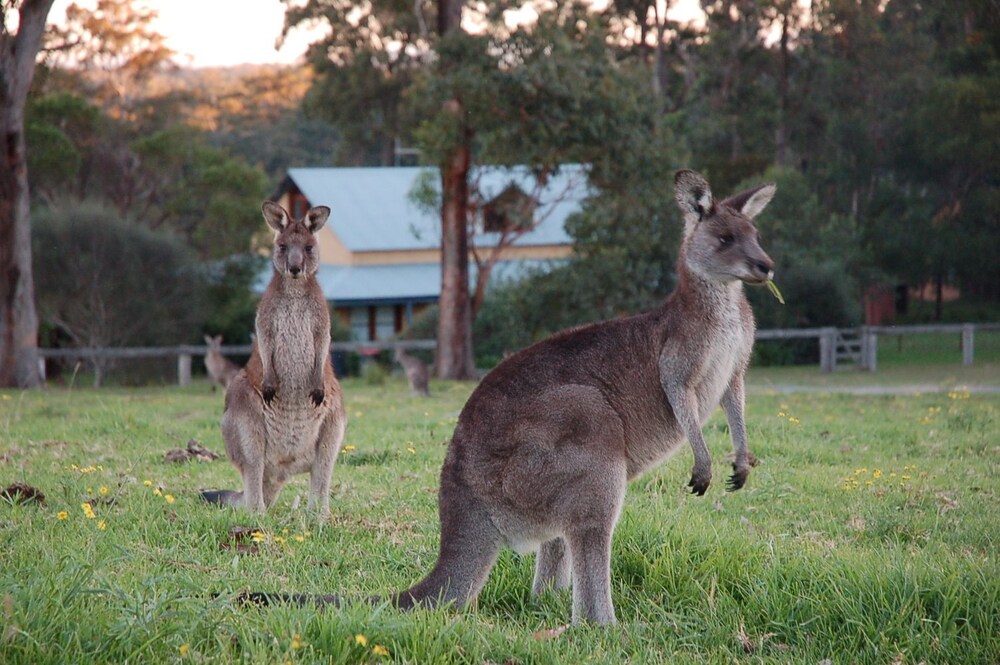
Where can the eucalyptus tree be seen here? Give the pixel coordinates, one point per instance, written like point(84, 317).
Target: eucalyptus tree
point(18, 316)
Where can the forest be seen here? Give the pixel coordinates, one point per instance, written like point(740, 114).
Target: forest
point(879, 120)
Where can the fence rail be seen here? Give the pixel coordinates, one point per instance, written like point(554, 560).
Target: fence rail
point(827, 338)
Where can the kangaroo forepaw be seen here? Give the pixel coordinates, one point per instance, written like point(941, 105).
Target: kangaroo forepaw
point(317, 396)
point(268, 392)
point(699, 483)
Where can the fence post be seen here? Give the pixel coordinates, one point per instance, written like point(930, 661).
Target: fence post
point(968, 330)
point(869, 349)
point(828, 350)
point(184, 369)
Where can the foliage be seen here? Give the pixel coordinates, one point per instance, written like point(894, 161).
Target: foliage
point(115, 46)
point(103, 281)
point(806, 563)
point(231, 297)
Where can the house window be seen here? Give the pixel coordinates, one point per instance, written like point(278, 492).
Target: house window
point(385, 322)
point(359, 324)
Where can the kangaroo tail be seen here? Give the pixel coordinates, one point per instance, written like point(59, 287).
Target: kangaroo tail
point(260, 599)
point(223, 497)
point(469, 547)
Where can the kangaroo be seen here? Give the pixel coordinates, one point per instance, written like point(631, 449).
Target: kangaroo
point(546, 443)
point(416, 372)
point(284, 412)
point(221, 369)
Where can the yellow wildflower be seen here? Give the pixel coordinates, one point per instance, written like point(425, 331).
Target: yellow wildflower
point(297, 642)
point(183, 650)
point(158, 492)
point(169, 498)
point(62, 514)
point(258, 536)
point(88, 510)
point(101, 525)
point(361, 639)
point(279, 539)
point(380, 650)
point(147, 483)
point(349, 447)
point(104, 489)
point(299, 539)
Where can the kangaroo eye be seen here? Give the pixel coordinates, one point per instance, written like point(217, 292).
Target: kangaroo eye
point(283, 247)
point(309, 248)
point(726, 239)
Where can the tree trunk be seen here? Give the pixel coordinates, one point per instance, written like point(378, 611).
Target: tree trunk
point(781, 131)
point(18, 318)
point(454, 344)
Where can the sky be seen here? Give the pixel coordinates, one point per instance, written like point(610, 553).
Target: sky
point(221, 33)
point(214, 33)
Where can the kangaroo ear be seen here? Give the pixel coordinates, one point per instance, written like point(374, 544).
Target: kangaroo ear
point(752, 201)
point(694, 196)
point(275, 216)
point(316, 218)
point(208, 340)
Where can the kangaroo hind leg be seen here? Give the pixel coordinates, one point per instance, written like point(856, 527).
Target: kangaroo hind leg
point(552, 567)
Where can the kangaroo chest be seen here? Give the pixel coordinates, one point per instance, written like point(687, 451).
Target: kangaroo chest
point(291, 421)
point(725, 348)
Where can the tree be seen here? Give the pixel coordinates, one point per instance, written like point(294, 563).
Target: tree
point(118, 284)
point(116, 49)
point(18, 318)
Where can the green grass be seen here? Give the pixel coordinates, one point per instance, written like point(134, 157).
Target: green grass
point(867, 534)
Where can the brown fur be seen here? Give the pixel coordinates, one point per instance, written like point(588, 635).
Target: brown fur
point(416, 371)
point(284, 412)
point(220, 369)
point(546, 443)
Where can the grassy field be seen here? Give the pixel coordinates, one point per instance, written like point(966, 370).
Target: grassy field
point(867, 534)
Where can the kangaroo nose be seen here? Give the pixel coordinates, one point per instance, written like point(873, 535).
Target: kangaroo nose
point(765, 266)
point(295, 270)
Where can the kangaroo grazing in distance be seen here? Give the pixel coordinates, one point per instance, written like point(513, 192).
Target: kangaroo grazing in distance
point(416, 372)
point(284, 412)
point(546, 443)
point(221, 369)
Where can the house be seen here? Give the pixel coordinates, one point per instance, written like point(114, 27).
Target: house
point(380, 256)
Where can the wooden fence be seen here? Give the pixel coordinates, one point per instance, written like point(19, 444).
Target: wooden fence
point(837, 346)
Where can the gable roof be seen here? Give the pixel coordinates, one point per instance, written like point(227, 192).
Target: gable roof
point(372, 209)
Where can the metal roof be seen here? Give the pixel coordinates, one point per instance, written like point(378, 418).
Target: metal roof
point(419, 282)
point(372, 208)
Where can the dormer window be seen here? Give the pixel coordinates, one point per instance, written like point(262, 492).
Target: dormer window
point(512, 209)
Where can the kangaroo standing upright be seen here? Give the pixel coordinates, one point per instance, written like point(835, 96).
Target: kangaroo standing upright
point(416, 372)
point(221, 369)
point(284, 412)
point(546, 443)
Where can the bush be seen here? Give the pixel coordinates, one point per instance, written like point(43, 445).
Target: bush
point(102, 281)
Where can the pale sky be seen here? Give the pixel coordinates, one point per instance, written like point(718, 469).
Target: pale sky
point(219, 33)
point(211, 33)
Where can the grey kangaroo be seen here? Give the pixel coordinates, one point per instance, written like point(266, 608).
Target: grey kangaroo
point(546, 443)
point(220, 369)
point(284, 412)
point(416, 372)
